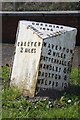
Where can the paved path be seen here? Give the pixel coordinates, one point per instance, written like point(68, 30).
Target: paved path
point(8, 52)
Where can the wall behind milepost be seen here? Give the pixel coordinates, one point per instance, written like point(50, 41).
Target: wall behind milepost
point(10, 22)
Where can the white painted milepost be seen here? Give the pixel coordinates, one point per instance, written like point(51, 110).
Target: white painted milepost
point(43, 56)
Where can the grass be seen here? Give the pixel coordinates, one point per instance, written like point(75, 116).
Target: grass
point(14, 105)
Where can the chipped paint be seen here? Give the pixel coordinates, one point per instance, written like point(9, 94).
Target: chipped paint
point(57, 53)
point(26, 60)
point(43, 56)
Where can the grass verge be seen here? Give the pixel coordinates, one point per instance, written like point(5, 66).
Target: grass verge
point(14, 105)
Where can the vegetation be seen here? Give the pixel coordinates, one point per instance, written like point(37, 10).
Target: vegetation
point(14, 105)
point(39, 6)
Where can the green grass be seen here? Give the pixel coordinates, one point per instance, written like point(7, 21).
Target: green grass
point(69, 112)
point(14, 105)
point(75, 77)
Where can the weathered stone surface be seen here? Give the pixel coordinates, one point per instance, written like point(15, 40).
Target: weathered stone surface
point(43, 56)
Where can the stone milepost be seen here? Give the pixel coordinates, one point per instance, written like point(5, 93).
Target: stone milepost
point(43, 56)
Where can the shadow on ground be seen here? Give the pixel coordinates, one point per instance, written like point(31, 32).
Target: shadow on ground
point(72, 90)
